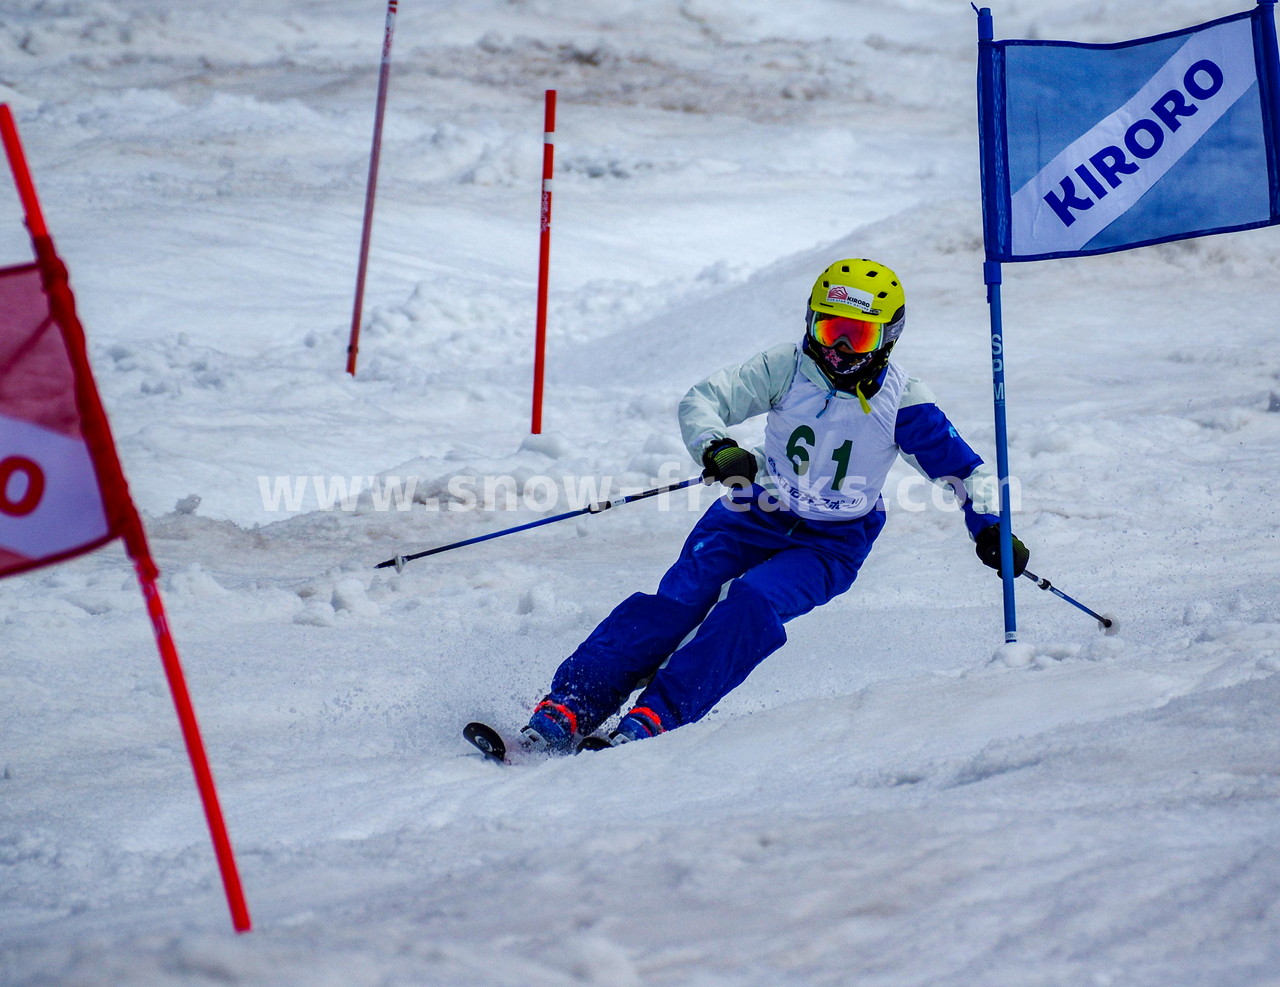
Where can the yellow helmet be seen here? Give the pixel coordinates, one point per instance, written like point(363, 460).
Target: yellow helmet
point(856, 312)
point(860, 289)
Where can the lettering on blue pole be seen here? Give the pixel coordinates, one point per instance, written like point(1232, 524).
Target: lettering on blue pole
point(997, 366)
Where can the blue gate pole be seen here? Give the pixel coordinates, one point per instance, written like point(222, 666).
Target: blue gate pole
point(992, 275)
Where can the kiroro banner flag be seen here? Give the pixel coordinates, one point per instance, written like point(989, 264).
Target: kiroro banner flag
point(1093, 148)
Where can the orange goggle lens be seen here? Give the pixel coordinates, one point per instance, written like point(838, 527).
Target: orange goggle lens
point(860, 335)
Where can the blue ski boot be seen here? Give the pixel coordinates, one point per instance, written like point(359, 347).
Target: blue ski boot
point(639, 724)
point(552, 728)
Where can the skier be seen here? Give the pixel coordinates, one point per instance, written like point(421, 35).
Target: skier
point(838, 414)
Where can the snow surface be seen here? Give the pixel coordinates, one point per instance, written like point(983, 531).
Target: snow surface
point(891, 799)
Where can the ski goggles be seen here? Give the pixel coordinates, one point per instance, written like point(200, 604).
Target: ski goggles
point(860, 335)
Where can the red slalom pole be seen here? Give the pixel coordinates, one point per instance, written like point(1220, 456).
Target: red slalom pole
point(21, 174)
point(123, 515)
point(147, 572)
point(544, 259)
point(371, 188)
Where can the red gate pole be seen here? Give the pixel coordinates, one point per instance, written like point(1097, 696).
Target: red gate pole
point(121, 510)
point(371, 188)
point(544, 259)
point(136, 544)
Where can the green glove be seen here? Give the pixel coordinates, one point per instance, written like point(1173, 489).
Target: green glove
point(988, 549)
point(729, 463)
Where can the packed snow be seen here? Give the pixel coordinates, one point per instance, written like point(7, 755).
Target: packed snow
point(893, 798)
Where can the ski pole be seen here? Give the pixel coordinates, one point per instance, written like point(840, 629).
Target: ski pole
point(604, 505)
point(1106, 622)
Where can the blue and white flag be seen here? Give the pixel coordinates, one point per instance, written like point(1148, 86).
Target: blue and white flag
point(1093, 148)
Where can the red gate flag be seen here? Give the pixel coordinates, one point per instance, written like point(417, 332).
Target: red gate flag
point(62, 490)
point(52, 502)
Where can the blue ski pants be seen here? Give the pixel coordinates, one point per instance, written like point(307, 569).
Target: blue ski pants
point(778, 565)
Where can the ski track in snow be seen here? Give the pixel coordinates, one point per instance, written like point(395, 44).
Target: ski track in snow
point(891, 799)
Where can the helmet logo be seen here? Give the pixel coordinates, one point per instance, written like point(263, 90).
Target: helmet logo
point(864, 301)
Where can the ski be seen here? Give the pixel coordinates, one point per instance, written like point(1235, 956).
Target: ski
point(487, 741)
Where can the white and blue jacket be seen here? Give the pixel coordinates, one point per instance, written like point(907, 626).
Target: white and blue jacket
point(827, 453)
